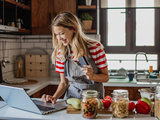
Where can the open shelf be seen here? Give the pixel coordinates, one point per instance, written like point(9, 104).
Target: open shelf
point(24, 31)
point(18, 4)
point(87, 7)
point(23, 6)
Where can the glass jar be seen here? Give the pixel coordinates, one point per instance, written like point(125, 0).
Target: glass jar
point(157, 103)
point(120, 103)
point(89, 105)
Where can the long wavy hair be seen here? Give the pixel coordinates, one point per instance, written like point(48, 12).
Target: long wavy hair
point(79, 41)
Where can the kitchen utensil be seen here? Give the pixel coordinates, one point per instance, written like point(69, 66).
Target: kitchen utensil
point(19, 23)
point(122, 71)
point(147, 92)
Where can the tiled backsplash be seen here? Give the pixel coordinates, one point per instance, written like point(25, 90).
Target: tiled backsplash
point(13, 45)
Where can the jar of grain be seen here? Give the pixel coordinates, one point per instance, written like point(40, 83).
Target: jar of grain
point(120, 105)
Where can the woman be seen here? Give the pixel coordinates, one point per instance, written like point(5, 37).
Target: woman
point(70, 43)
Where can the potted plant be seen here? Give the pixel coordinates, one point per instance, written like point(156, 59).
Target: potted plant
point(86, 19)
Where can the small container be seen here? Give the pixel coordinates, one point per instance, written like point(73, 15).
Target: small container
point(89, 105)
point(157, 103)
point(120, 105)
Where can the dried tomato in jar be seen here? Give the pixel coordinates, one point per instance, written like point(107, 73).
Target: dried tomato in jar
point(89, 105)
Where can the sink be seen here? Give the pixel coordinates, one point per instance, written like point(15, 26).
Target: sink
point(145, 78)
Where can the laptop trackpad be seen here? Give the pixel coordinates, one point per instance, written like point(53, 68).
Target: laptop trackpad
point(57, 106)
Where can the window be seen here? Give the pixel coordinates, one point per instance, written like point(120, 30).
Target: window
point(129, 30)
point(127, 61)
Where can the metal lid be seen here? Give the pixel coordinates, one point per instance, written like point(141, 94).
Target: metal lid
point(120, 92)
point(158, 89)
point(89, 93)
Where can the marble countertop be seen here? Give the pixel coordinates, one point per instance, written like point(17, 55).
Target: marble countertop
point(43, 82)
point(9, 113)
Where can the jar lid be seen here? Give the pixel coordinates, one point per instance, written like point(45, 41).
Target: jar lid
point(158, 89)
point(90, 93)
point(118, 92)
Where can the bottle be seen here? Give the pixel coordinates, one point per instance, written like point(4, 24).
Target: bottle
point(89, 104)
point(120, 105)
point(157, 103)
point(20, 67)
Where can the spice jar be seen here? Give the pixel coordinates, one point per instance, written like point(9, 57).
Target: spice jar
point(89, 105)
point(157, 103)
point(120, 105)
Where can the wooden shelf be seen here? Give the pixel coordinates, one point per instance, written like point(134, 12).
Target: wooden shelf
point(87, 7)
point(90, 31)
point(18, 4)
point(23, 6)
point(11, 1)
point(24, 31)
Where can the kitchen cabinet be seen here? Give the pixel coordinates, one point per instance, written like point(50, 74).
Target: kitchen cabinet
point(93, 10)
point(109, 91)
point(11, 11)
point(134, 94)
point(49, 90)
point(43, 11)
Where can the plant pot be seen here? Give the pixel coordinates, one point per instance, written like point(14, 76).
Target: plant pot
point(87, 24)
point(88, 2)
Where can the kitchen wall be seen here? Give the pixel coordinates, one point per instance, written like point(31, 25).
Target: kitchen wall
point(13, 45)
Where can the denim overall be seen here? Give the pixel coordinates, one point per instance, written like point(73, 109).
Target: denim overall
point(78, 81)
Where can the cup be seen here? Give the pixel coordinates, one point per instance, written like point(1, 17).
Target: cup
point(131, 76)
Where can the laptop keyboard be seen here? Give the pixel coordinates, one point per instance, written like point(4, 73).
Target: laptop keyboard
point(44, 108)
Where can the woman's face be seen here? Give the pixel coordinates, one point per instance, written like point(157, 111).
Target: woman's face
point(63, 34)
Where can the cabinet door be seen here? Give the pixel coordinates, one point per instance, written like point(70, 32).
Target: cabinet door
point(40, 93)
point(52, 89)
point(109, 90)
point(64, 5)
point(42, 13)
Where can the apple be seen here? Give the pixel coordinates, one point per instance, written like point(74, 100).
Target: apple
point(106, 103)
point(145, 99)
point(100, 104)
point(131, 105)
point(108, 98)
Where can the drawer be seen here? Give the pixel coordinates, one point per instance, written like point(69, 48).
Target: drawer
point(30, 58)
point(41, 65)
point(42, 58)
point(42, 73)
point(30, 73)
point(30, 65)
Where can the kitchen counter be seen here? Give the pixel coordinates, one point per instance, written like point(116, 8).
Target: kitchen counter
point(7, 112)
point(43, 82)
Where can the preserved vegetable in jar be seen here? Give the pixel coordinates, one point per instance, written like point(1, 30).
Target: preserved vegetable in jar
point(157, 103)
point(89, 105)
point(120, 105)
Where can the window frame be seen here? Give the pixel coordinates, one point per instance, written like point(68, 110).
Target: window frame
point(130, 34)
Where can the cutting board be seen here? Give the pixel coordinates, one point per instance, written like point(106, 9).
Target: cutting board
point(71, 110)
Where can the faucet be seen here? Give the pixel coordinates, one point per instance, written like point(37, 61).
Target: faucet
point(139, 53)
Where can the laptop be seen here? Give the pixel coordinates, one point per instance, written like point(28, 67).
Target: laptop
point(18, 98)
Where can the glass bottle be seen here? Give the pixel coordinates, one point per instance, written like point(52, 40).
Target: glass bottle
point(120, 105)
point(157, 103)
point(89, 105)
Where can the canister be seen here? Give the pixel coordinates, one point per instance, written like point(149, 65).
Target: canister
point(120, 103)
point(157, 103)
point(89, 105)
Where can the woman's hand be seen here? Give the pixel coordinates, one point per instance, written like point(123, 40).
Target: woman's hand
point(88, 71)
point(48, 98)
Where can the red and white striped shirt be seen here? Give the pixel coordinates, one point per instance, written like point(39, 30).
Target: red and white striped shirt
point(96, 52)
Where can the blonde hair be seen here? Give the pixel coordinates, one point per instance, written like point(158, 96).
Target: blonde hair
point(79, 42)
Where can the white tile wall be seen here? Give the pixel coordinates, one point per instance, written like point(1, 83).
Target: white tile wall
point(20, 45)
